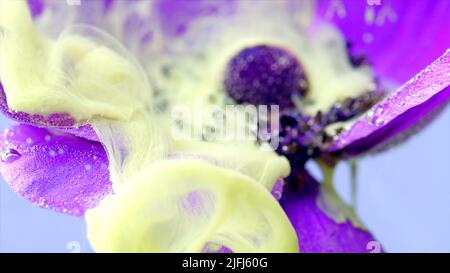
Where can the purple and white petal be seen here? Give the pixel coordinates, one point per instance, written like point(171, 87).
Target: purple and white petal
point(54, 170)
point(401, 114)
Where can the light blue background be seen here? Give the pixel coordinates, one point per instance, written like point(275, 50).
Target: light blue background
point(404, 199)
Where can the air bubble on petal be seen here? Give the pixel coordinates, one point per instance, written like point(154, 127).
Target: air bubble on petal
point(277, 190)
point(379, 122)
point(370, 115)
point(380, 111)
point(10, 155)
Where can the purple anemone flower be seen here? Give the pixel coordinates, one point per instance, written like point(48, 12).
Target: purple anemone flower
point(94, 86)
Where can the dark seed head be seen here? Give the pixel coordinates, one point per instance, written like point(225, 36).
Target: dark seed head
point(265, 75)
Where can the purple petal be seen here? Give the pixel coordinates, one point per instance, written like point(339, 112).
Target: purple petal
point(399, 37)
point(54, 170)
point(316, 232)
point(401, 114)
point(36, 7)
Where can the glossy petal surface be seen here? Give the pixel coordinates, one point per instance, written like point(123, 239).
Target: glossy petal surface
point(401, 114)
point(317, 232)
point(399, 38)
point(54, 170)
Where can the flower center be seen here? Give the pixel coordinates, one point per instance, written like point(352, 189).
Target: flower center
point(265, 75)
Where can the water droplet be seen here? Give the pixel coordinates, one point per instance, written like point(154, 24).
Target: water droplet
point(380, 111)
point(277, 195)
point(52, 153)
point(378, 122)
point(370, 115)
point(10, 155)
point(60, 151)
point(88, 167)
point(29, 140)
point(368, 38)
point(48, 137)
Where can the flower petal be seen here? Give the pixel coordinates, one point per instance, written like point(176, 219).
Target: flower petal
point(401, 114)
point(400, 38)
point(84, 131)
point(54, 170)
point(317, 232)
point(36, 7)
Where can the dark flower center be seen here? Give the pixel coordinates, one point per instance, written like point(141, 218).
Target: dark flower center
point(268, 75)
point(265, 75)
point(303, 136)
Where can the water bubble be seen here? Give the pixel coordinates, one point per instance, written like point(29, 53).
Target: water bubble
point(52, 153)
point(29, 140)
point(277, 194)
point(10, 155)
point(88, 167)
point(370, 115)
point(380, 111)
point(378, 122)
point(60, 151)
